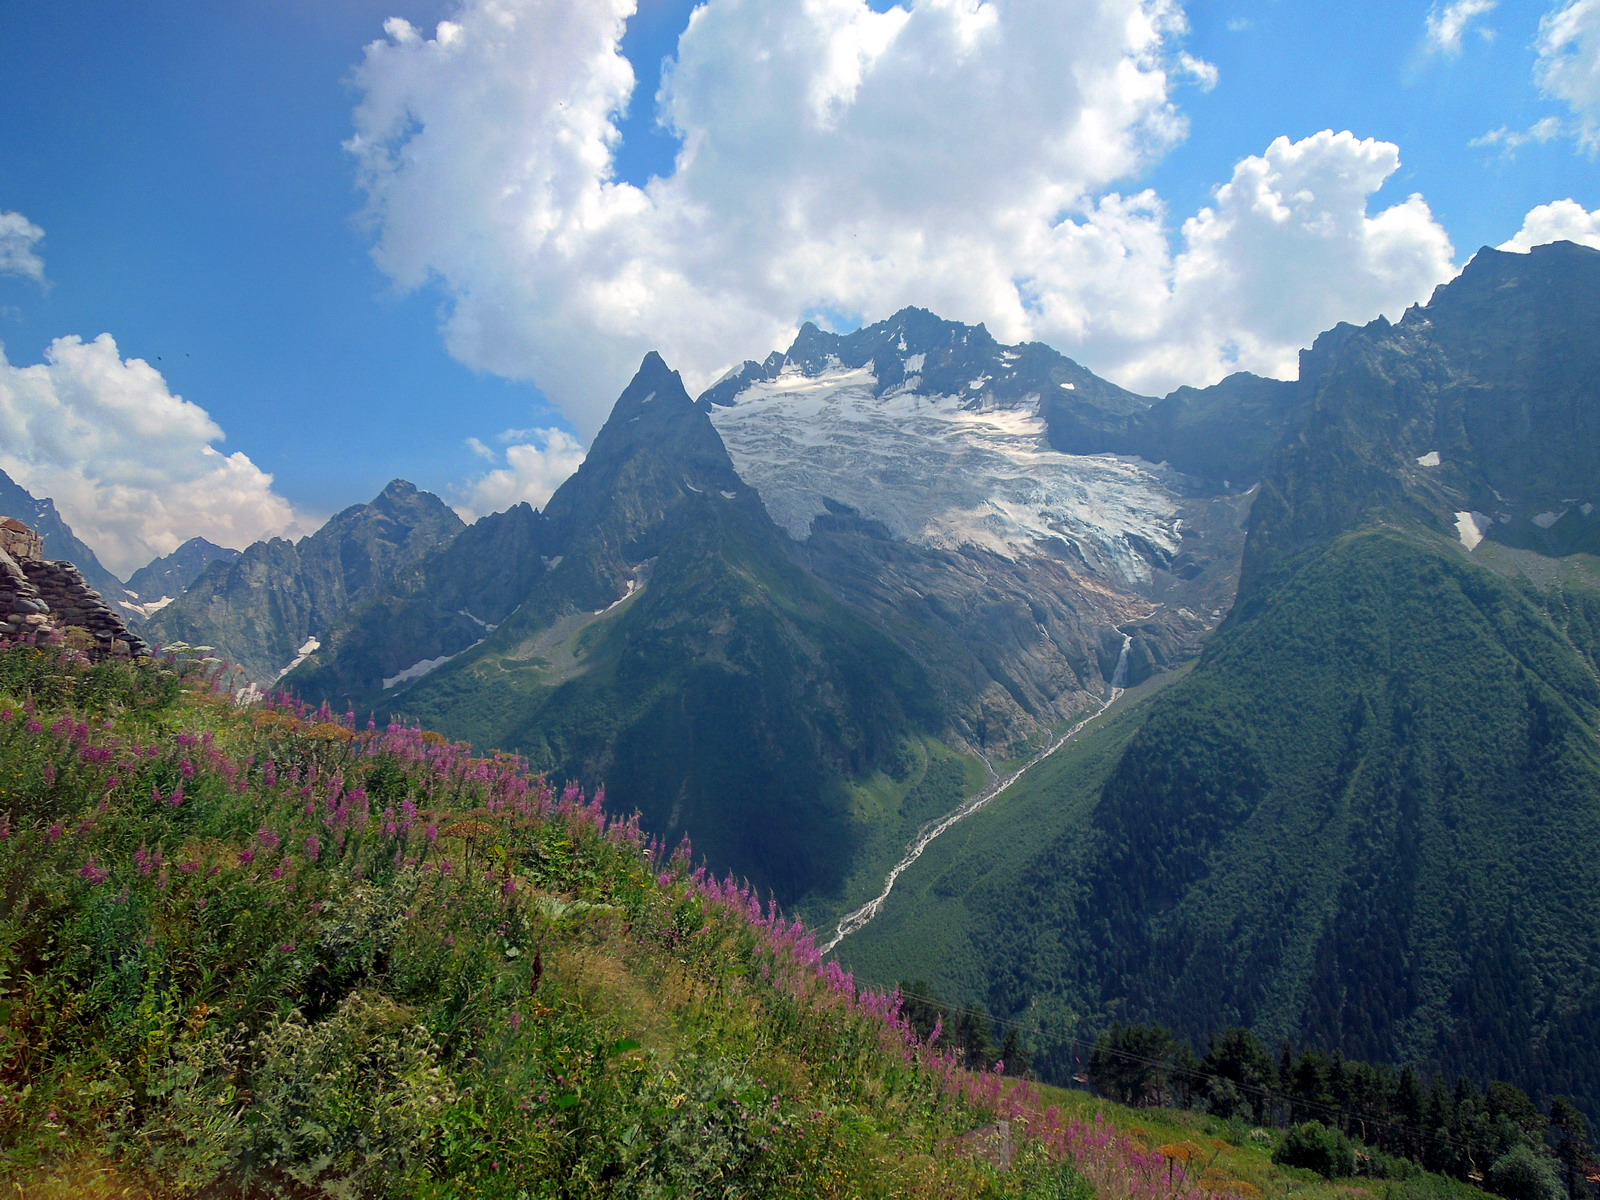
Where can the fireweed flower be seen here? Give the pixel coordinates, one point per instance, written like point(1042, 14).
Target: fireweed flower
point(94, 872)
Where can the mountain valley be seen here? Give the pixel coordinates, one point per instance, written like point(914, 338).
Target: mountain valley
point(1348, 794)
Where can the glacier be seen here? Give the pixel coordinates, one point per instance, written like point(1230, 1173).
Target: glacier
point(942, 471)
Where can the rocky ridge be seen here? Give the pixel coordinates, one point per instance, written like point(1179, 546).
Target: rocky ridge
point(161, 581)
point(263, 608)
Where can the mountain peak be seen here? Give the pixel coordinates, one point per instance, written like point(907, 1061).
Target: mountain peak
point(654, 380)
point(397, 489)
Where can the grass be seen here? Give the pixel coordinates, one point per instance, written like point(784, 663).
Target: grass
point(253, 950)
point(1227, 1153)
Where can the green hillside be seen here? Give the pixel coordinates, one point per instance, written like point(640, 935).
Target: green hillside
point(1367, 819)
point(254, 951)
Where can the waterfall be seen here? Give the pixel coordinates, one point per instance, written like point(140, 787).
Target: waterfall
point(1119, 673)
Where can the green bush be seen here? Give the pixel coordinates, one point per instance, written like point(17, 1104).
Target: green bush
point(1317, 1148)
point(1522, 1173)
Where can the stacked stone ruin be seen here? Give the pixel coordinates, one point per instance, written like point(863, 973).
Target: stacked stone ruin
point(39, 596)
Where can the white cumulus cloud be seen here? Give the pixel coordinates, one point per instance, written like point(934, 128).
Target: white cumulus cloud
point(959, 155)
point(1568, 66)
point(130, 466)
point(18, 237)
point(1287, 251)
point(1561, 221)
point(537, 462)
point(1446, 25)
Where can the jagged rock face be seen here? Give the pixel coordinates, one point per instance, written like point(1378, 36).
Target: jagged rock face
point(1473, 415)
point(933, 471)
point(265, 607)
point(156, 584)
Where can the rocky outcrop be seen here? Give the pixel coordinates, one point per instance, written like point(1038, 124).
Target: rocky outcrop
point(156, 584)
point(41, 596)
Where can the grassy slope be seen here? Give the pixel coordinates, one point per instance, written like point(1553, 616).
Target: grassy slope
point(258, 952)
point(1228, 1153)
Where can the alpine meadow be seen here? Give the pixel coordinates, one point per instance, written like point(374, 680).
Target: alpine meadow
point(1031, 627)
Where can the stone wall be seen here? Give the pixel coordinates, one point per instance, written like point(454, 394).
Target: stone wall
point(22, 609)
point(39, 596)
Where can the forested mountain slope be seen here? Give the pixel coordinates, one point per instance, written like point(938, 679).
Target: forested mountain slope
point(1370, 816)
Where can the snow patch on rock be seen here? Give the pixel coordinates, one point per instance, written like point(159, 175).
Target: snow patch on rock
point(1430, 459)
point(427, 666)
point(309, 647)
point(149, 607)
point(1470, 528)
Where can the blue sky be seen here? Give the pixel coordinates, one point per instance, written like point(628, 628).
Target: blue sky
point(187, 166)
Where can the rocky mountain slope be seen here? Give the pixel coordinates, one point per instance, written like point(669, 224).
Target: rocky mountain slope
point(777, 617)
point(654, 631)
point(159, 582)
point(265, 608)
point(932, 475)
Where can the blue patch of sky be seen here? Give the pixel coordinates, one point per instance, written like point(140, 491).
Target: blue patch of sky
point(185, 163)
point(648, 148)
point(1292, 70)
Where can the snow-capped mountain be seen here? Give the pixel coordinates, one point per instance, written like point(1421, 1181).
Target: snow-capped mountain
point(848, 562)
point(950, 441)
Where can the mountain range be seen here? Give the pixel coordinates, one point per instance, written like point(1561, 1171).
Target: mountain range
point(1334, 643)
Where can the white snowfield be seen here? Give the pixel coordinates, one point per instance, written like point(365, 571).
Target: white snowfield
point(307, 648)
point(941, 471)
point(149, 607)
point(1470, 527)
point(428, 665)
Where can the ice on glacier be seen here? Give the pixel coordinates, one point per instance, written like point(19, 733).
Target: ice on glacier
point(939, 473)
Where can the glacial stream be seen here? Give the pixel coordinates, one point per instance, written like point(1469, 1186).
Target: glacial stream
point(855, 920)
